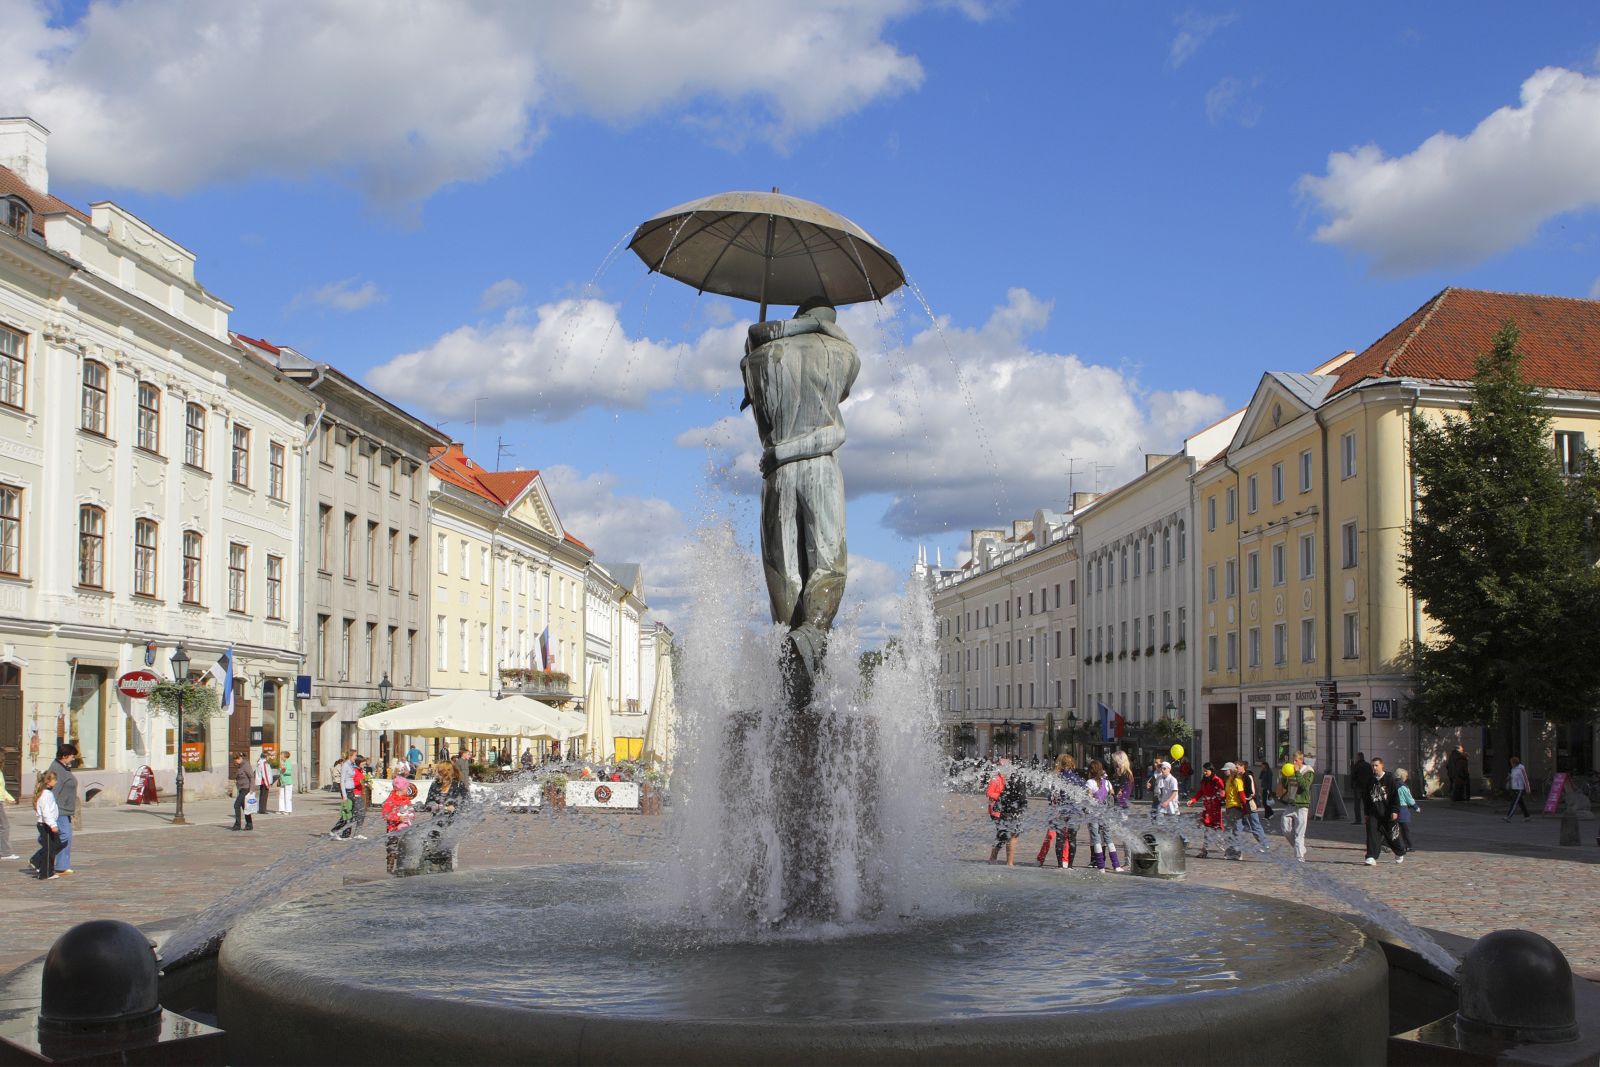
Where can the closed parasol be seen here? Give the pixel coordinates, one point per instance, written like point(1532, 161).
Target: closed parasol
point(768, 247)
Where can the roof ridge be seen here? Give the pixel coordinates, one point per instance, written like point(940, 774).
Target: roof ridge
point(1437, 301)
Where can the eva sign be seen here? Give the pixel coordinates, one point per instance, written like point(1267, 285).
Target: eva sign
point(616, 795)
point(138, 684)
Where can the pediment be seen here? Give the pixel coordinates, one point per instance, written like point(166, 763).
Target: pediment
point(1279, 399)
point(534, 508)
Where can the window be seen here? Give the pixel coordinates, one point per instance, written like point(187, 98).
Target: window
point(192, 563)
point(372, 465)
point(1137, 644)
point(1150, 554)
point(483, 565)
point(466, 651)
point(370, 650)
point(411, 564)
point(443, 562)
point(1211, 512)
point(1030, 603)
point(148, 435)
point(325, 447)
point(394, 559)
point(1183, 623)
point(1252, 572)
point(411, 656)
point(1123, 570)
point(1166, 627)
point(239, 469)
point(483, 648)
point(238, 570)
point(1308, 555)
point(91, 547)
point(1347, 455)
point(1230, 578)
point(1278, 577)
point(144, 557)
point(10, 530)
point(1233, 651)
point(1305, 471)
point(1250, 502)
point(274, 587)
point(465, 573)
point(372, 553)
point(1136, 561)
point(390, 666)
point(1166, 547)
point(1183, 542)
point(1232, 497)
point(13, 368)
point(1211, 583)
point(344, 649)
point(324, 536)
point(1277, 483)
point(194, 436)
point(1308, 641)
point(322, 646)
point(349, 545)
point(1280, 643)
point(1347, 545)
point(96, 383)
point(1211, 654)
point(1569, 451)
point(352, 455)
point(441, 643)
point(1253, 646)
point(1352, 635)
point(276, 455)
point(15, 216)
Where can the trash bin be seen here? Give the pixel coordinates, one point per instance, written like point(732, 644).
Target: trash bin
point(1163, 856)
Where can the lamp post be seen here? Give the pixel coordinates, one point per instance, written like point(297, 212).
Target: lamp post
point(1170, 708)
point(383, 739)
point(180, 674)
point(383, 688)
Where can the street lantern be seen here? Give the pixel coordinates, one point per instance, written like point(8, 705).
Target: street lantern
point(384, 687)
point(180, 674)
point(1170, 708)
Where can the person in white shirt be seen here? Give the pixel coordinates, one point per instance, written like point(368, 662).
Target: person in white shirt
point(1166, 792)
point(1517, 784)
point(48, 815)
point(263, 780)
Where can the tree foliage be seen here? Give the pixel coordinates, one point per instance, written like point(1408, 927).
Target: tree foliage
point(198, 701)
point(1501, 554)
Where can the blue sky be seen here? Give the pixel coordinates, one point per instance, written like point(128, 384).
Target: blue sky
point(1122, 215)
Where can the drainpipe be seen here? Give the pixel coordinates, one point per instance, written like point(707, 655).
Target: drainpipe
point(1238, 578)
point(1416, 604)
point(1327, 605)
point(300, 727)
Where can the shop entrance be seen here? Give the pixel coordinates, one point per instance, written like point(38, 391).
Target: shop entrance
point(11, 725)
point(1224, 731)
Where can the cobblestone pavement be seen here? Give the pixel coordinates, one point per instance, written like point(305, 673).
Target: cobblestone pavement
point(1472, 872)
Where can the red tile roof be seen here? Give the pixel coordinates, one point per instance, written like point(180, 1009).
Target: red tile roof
point(499, 488)
point(507, 484)
point(1442, 340)
point(42, 203)
point(580, 544)
point(267, 345)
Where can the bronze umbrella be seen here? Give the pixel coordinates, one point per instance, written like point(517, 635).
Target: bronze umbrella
point(768, 247)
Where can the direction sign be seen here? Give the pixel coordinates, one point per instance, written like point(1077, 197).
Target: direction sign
point(138, 684)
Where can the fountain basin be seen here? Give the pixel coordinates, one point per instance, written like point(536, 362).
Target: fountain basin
point(557, 965)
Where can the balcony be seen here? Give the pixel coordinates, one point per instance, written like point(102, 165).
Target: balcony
point(553, 687)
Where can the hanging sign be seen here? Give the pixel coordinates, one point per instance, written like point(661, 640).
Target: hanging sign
point(138, 684)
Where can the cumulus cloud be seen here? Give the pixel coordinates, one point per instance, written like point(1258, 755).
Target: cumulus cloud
point(1194, 30)
point(1234, 100)
point(961, 426)
point(503, 292)
point(165, 96)
point(1454, 201)
point(554, 361)
point(342, 295)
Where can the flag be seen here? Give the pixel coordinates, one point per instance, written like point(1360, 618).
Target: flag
point(1105, 724)
point(544, 650)
point(222, 671)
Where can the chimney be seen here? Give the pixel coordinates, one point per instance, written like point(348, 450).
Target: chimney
point(1021, 528)
point(22, 148)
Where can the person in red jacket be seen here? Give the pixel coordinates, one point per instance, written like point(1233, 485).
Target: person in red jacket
point(1211, 795)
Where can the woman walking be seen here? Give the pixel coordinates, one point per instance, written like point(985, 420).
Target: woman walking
point(1408, 804)
point(48, 816)
point(286, 784)
point(1101, 792)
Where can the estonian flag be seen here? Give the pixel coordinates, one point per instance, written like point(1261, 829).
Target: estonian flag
point(222, 671)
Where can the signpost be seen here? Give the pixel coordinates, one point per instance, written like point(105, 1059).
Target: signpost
point(138, 685)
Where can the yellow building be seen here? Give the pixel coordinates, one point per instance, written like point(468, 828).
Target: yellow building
point(1302, 522)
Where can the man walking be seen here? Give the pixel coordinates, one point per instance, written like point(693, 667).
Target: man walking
point(1381, 804)
point(1459, 775)
point(1166, 792)
point(1360, 780)
point(1517, 785)
point(66, 793)
point(244, 780)
point(1295, 790)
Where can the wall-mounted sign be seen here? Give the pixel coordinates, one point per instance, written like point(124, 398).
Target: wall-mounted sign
point(1382, 709)
point(138, 684)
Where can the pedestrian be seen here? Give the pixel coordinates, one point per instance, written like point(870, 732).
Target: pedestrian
point(1010, 805)
point(1060, 835)
point(1211, 796)
point(1232, 809)
point(1102, 794)
point(5, 827)
point(1265, 790)
point(264, 776)
point(286, 783)
point(359, 784)
point(64, 790)
point(1295, 791)
point(1380, 805)
point(1459, 775)
point(414, 756)
point(397, 816)
point(527, 759)
point(1360, 779)
point(243, 794)
point(1150, 779)
point(1166, 790)
point(1250, 807)
point(47, 815)
point(463, 768)
point(341, 775)
point(1408, 805)
point(1517, 786)
point(447, 796)
point(1184, 772)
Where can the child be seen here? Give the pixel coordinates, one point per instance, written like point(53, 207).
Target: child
point(48, 816)
point(1408, 804)
point(397, 816)
point(1211, 795)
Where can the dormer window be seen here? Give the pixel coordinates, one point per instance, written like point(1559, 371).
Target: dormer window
point(16, 216)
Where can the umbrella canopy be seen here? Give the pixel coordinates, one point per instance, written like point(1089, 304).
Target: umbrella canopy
point(767, 247)
point(597, 733)
point(658, 731)
point(463, 713)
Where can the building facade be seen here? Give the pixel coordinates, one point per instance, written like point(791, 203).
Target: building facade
point(148, 493)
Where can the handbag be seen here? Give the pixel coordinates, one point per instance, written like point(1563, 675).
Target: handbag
point(252, 803)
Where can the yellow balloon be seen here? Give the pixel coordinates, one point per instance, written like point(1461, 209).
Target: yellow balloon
point(1177, 751)
point(1288, 770)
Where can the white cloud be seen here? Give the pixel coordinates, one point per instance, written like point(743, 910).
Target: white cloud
point(342, 295)
point(500, 294)
point(1594, 290)
point(982, 430)
point(1194, 29)
point(1234, 100)
point(1454, 201)
point(165, 96)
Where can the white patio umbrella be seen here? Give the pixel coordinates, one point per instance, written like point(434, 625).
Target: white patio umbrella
point(598, 742)
point(658, 729)
point(464, 713)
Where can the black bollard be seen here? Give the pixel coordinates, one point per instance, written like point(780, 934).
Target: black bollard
point(99, 978)
point(1517, 986)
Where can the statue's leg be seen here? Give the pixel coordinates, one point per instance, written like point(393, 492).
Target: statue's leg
point(780, 545)
point(823, 553)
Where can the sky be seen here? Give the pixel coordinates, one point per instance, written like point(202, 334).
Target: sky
point(1120, 217)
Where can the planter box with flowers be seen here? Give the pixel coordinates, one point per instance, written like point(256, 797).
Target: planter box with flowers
point(541, 685)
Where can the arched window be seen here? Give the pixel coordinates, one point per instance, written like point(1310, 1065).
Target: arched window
point(1166, 547)
point(91, 547)
point(193, 545)
point(194, 436)
point(1150, 554)
point(1183, 542)
point(96, 385)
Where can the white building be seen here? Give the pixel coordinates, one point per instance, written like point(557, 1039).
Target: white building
point(148, 489)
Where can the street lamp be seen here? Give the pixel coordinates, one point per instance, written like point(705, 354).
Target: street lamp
point(1170, 708)
point(383, 688)
point(180, 674)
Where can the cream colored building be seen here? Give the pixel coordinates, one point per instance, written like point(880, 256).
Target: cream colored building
point(149, 490)
point(1302, 525)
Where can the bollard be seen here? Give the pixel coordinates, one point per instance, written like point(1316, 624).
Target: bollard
point(1570, 834)
point(1516, 986)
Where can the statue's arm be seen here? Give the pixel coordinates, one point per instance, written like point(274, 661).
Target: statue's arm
point(819, 442)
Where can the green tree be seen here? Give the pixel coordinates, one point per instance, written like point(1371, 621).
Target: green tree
point(1501, 555)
